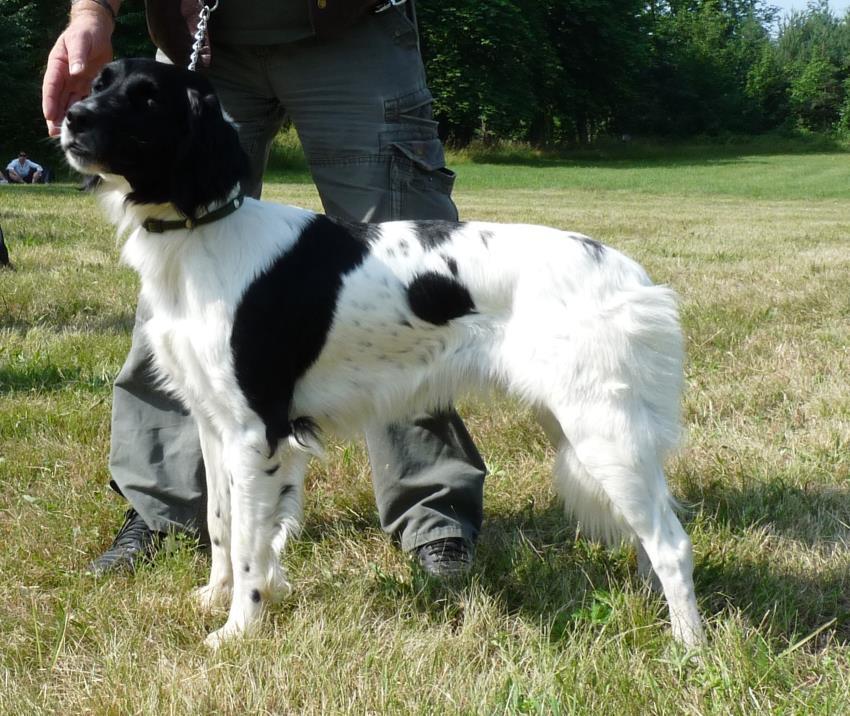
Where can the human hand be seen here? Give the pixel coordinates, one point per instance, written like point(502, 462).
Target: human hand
point(78, 55)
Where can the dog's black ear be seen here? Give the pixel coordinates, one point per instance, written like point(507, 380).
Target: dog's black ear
point(211, 161)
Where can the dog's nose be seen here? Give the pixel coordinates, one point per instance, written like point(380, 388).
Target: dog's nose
point(78, 117)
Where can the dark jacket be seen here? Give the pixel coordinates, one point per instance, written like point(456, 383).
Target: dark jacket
point(172, 23)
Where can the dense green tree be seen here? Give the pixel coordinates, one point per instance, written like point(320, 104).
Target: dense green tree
point(702, 51)
point(816, 94)
point(553, 71)
point(602, 49)
point(18, 39)
point(813, 47)
point(483, 63)
point(766, 89)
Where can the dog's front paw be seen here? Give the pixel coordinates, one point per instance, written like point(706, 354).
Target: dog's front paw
point(212, 597)
point(230, 632)
point(215, 640)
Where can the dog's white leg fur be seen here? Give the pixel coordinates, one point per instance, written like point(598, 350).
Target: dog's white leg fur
point(556, 436)
point(645, 570)
point(613, 426)
point(617, 497)
point(216, 593)
point(266, 503)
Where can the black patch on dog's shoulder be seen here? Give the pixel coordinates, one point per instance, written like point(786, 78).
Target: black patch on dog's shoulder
point(438, 299)
point(255, 596)
point(283, 319)
point(485, 237)
point(432, 234)
point(593, 247)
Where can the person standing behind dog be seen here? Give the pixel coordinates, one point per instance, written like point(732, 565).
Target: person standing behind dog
point(24, 171)
point(350, 78)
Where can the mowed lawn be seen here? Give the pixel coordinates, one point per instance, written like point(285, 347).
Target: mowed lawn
point(758, 247)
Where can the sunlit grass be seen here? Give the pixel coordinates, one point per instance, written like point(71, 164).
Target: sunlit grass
point(758, 250)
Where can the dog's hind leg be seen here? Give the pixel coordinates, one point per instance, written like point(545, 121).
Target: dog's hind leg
point(266, 499)
point(216, 593)
point(616, 488)
point(566, 461)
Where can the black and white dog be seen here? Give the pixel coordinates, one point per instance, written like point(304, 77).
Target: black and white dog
point(275, 324)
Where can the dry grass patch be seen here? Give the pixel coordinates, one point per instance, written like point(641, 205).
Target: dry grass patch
point(547, 622)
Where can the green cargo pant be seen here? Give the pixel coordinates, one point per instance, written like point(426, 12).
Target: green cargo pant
point(363, 113)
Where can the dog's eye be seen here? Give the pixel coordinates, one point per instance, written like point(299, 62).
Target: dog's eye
point(102, 80)
point(143, 94)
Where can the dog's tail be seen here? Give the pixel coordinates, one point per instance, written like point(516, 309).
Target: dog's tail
point(619, 422)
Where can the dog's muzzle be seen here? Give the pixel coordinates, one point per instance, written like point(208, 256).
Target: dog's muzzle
point(76, 140)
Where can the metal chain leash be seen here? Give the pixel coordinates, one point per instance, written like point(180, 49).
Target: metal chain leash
point(200, 34)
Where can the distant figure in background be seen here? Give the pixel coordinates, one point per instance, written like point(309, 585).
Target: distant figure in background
point(24, 171)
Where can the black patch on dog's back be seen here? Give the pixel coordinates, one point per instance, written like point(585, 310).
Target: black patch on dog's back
point(438, 299)
point(432, 234)
point(451, 264)
point(593, 247)
point(283, 319)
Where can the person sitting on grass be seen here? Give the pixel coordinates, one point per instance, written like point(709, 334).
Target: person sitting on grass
point(24, 171)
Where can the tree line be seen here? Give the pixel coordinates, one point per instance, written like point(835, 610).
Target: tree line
point(557, 71)
point(570, 71)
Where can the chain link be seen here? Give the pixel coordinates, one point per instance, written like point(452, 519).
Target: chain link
point(200, 34)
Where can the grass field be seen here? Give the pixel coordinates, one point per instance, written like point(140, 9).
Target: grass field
point(757, 245)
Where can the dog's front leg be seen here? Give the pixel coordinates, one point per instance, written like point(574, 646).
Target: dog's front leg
point(216, 593)
point(266, 499)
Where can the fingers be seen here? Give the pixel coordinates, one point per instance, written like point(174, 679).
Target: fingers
point(78, 55)
point(53, 92)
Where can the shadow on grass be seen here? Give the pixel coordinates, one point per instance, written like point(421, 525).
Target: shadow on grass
point(815, 516)
point(532, 564)
point(652, 153)
point(48, 379)
point(70, 317)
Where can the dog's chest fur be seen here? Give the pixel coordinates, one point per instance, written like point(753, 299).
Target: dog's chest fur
point(192, 284)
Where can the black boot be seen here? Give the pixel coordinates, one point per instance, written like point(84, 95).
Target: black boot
point(135, 542)
point(445, 558)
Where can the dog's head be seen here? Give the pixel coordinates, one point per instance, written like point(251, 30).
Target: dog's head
point(162, 129)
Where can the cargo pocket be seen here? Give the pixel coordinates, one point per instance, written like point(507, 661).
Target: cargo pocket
point(412, 110)
point(420, 183)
